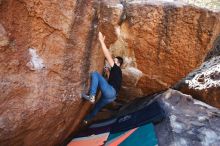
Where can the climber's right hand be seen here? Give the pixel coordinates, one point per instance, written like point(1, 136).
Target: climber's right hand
point(101, 37)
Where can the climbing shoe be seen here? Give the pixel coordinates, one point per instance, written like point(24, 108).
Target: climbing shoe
point(89, 98)
point(85, 122)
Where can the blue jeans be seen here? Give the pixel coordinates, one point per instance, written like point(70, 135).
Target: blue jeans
point(108, 93)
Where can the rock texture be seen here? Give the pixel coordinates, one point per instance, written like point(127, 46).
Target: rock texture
point(48, 48)
point(160, 42)
point(3, 37)
point(204, 82)
point(188, 122)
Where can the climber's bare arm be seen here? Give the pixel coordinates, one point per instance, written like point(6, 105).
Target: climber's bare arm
point(105, 50)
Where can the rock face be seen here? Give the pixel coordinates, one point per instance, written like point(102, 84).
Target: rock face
point(45, 59)
point(188, 122)
point(48, 48)
point(161, 42)
point(3, 37)
point(204, 82)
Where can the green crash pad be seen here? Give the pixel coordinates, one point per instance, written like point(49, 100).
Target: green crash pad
point(142, 136)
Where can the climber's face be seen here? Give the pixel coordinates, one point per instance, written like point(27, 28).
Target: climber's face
point(116, 62)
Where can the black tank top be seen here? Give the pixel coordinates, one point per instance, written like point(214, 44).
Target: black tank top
point(115, 78)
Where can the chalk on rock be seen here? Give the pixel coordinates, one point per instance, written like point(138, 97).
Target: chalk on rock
point(36, 63)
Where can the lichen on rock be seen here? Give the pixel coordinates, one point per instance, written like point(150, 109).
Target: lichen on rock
point(207, 76)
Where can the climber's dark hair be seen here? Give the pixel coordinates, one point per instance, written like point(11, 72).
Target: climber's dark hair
point(120, 60)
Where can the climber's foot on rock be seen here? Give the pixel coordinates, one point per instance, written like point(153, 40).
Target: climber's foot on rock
point(85, 122)
point(91, 99)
